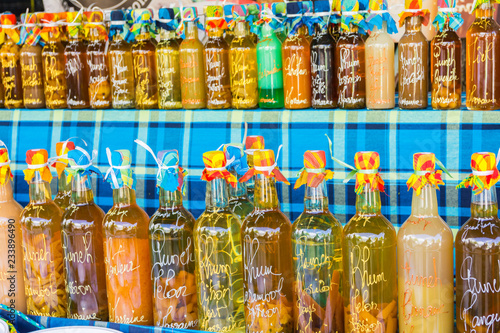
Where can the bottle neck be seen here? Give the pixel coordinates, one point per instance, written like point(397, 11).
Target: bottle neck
point(75, 37)
point(123, 196)
point(81, 190)
point(166, 35)
point(484, 204)
point(241, 29)
point(484, 11)
point(381, 30)
point(413, 24)
point(191, 30)
point(39, 190)
point(117, 37)
point(239, 191)
point(62, 184)
point(265, 195)
point(6, 193)
point(316, 199)
point(215, 33)
point(217, 195)
point(169, 199)
point(54, 35)
point(143, 34)
point(425, 204)
point(368, 201)
point(267, 30)
point(94, 35)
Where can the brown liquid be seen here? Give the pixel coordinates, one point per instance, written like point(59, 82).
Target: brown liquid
point(11, 74)
point(413, 66)
point(216, 54)
point(146, 90)
point(56, 91)
point(77, 73)
point(32, 72)
point(99, 86)
point(122, 74)
point(324, 90)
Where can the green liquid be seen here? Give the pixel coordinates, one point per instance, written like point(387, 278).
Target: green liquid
point(271, 98)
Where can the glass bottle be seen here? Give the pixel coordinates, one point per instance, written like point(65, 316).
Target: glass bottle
point(350, 62)
point(84, 253)
point(477, 247)
point(446, 63)
point(77, 69)
point(44, 275)
point(324, 90)
point(239, 203)
point(379, 54)
point(270, 70)
point(317, 256)
point(217, 241)
point(216, 54)
point(413, 50)
point(369, 261)
point(243, 65)
point(145, 74)
point(122, 73)
point(11, 72)
point(482, 76)
point(192, 65)
point(169, 72)
point(172, 256)
point(127, 260)
point(63, 196)
point(425, 268)
point(296, 51)
point(2, 100)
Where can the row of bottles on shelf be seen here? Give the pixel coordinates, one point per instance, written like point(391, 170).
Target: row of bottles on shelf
point(339, 66)
point(242, 264)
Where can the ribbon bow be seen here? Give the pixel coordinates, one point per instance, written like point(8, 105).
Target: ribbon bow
point(119, 169)
point(313, 172)
point(298, 15)
point(30, 31)
point(336, 16)
point(253, 12)
point(414, 8)
point(188, 14)
point(143, 18)
point(425, 173)
point(80, 162)
point(265, 164)
point(484, 172)
point(74, 22)
point(62, 149)
point(447, 13)
point(215, 18)
point(238, 14)
point(9, 27)
point(215, 167)
point(379, 14)
point(268, 15)
point(170, 176)
point(95, 21)
point(166, 19)
point(50, 25)
point(37, 160)
point(351, 15)
point(5, 171)
point(237, 159)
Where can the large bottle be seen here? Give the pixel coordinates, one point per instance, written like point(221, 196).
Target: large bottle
point(167, 57)
point(477, 251)
point(44, 276)
point(10, 62)
point(144, 54)
point(217, 241)
point(99, 84)
point(216, 54)
point(63, 196)
point(193, 90)
point(83, 243)
point(369, 256)
point(252, 144)
point(31, 63)
point(11, 262)
point(483, 51)
point(126, 247)
point(121, 63)
point(317, 253)
point(267, 253)
point(425, 256)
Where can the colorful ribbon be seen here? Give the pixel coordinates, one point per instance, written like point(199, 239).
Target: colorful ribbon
point(38, 160)
point(484, 172)
point(298, 14)
point(120, 173)
point(74, 23)
point(265, 164)
point(478, 3)
point(62, 149)
point(228, 15)
point(414, 8)
point(238, 14)
point(253, 15)
point(425, 173)
point(313, 173)
point(351, 15)
point(143, 18)
point(237, 160)
point(322, 13)
point(447, 13)
point(30, 31)
point(95, 20)
point(188, 14)
point(378, 15)
point(336, 15)
point(5, 171)
point(80, 162)
point(166, 19)
point(50, 25)
point(215, 18)
point(269, 15)
point(9, 27)
point(252, 144)
point(215, 167)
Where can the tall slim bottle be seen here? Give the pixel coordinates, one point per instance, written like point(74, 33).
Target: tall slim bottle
point(126, 248)
point(252, 144)
point(317, 253)
point(44, 276)
point(83, 246)
point(63, 196)
point(121, 63)
point(11, 262)
point(11, 63)
point(482, 54)
point(369, 256)
point(477, 248)
point(425, 256)
point(32, 64)
point(217, 244)
point(216, 54)
point(267, 253)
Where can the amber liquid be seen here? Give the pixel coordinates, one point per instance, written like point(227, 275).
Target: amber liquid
point(169, 73)
point(32, 73)
point(99, 85)
point(77, 73)
point(56, 90)
point(216, 54)
point(122, 74)
point(11, 74)
point(193, 90)
point(483, 52)
point(146, 90)
point(296, 52)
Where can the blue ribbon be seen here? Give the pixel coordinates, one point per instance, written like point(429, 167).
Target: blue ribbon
point(377, 20)
point(235, 154)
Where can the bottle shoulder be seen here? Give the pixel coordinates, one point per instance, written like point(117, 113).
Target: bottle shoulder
point(84, 214)
point(481, 233)
point(266, 220)
point(375, 226)
point(317, 225)
point(44, 212)
point(176, 218)
point(420, 229)
point(129, 214)
point(217, 219)
point(379, 38)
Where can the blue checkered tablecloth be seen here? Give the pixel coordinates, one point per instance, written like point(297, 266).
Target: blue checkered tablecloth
point(396, 134)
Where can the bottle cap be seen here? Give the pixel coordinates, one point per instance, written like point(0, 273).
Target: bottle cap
point(215, 167)
point(265, 164)
point(5, 171)
point(425, 173)
point(484, 172)
point(367, 164)
point(120, 173)
point(37, 160)
point(313, 172)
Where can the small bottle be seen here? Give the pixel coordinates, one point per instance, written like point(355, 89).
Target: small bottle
point(99, 84)
point(252, 144)
point(267, 248)
point(126, 248)
point(167, 57)
point(193, 90)
point(425, 256)
point(83, 242)
point(243, 65)
point(121, 63)
point(482, 74)
point(317, 253)
point(11, 63)
point(216, 54)
point(63, 196)
point(54, 75)
point(369, 256)
point(44, 276)
point(31, 63)
point(477, 251)
point(217, 244)
point(11, 263)
point(144, 55)
point(77, 67)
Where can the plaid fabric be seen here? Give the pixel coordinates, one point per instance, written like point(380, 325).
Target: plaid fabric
point(395, 134)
